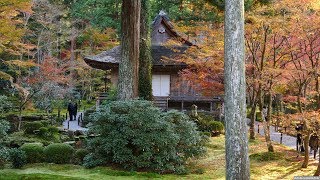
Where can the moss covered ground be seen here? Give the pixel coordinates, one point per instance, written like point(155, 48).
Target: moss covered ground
point(283, 164)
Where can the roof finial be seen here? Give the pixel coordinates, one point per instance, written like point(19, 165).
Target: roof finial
point(162, 13)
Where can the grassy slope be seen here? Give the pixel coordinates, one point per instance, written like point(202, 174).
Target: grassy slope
point(285, 166)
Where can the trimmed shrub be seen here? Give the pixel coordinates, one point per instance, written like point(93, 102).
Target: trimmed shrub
point(34, 152)
point(59, 153)
point(207, 124)
point(216, 128)
point(4, 156)
point(53, 130)
point(43, 132)
point(79, 155)
point(17, 157)
point(30, 127)
point(136, 135)
point(45, 123)
point(86, 116)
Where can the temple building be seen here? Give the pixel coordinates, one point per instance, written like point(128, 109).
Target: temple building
point(170, 91)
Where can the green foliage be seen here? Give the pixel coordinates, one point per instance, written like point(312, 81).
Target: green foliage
point(17, 157)
point(34, 152)
point(137, 135)
point(4, 127)
point(206, 123)
point(248, 4)
point(19, 138)
point(5, 104)
point(180, 11)
point(4, 156)
point(216, 127)
point(43, 132)
point(45, 123)
point(101, 14)
point(79, 155)
point(59, 153)
point(86, 116)
point(30, 127)
point(53, 130)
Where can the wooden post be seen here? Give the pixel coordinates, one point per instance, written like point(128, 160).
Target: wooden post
point(182, 103)
point(258, 129)
point(281, 138)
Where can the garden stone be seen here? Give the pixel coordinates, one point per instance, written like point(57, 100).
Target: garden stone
point(71, 143)
point(78, 133)
point(71, 134)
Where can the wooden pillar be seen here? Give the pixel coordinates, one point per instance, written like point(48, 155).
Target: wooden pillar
point(182, 104)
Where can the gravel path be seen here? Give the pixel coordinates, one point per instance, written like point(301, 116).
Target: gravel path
point(287, 140)
point(73, 125)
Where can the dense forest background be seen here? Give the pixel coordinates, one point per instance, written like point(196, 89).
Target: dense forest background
point(43, 43)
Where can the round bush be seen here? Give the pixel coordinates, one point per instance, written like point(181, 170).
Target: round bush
point(34, 152)
point(53, 130)
point(58, 153)
point(216, 128)
point(30, 127)
point(45, 123)
point(137, 135)
point(43, 132)
point(4, 156)
point(79, 155)
point(17, 157)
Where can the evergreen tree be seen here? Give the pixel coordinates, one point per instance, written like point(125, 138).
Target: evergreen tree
point(129, 65)
point(145, 59)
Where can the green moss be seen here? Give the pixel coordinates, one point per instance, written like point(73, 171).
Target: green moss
point(266, 156)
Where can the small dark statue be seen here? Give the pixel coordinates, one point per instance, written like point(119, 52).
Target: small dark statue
point(72, 109)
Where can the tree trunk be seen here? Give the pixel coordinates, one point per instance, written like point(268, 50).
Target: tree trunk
point(266, 125)
point(130, 35)
point(299, 100)
point(317, 173)
point(253, 118)
point(145, 59)
point(237, 161)
point(306, 150)
point(318, 92)
point(20, 118)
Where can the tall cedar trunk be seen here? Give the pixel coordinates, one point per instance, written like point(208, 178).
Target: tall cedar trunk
point(266, 125)
point(145, 59)
point(237, 161)
point(130, 35)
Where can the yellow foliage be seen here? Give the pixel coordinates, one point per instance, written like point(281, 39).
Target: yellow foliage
point(9, 9)
point(21, 64)
point(5, 76)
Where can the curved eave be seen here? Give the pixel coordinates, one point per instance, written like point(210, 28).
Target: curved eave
point(101, 65)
